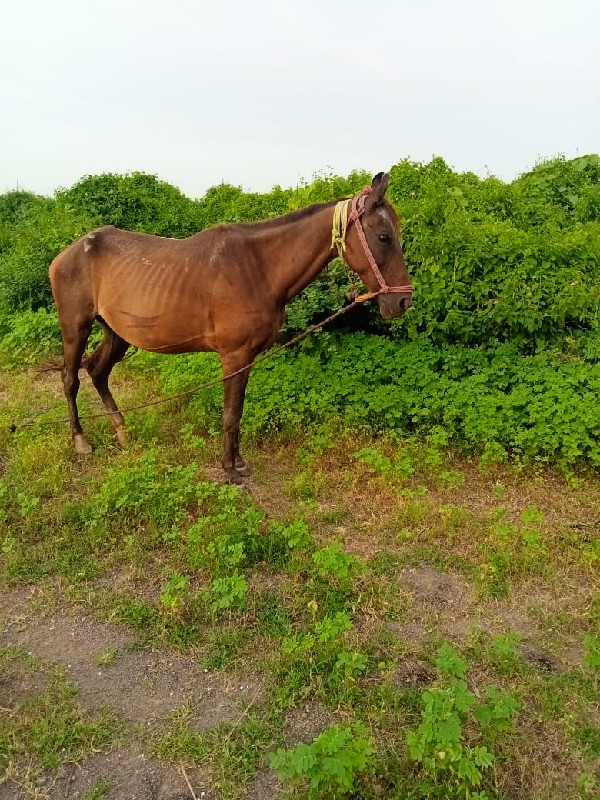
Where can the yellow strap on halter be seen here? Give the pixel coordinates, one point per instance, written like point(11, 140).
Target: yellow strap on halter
point(340, 226)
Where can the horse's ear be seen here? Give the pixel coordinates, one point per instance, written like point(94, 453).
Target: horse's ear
point(379, 187)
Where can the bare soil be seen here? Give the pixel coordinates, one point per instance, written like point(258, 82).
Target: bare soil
point(142, 686)
point(145, 686)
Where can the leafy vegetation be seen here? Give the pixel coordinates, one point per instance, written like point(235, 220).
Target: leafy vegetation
point(451, 769)
point(48, 727)
point(489, 260)
point(502, 338)
point(330, 764)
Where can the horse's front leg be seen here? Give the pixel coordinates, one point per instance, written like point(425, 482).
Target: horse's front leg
point(234, 391)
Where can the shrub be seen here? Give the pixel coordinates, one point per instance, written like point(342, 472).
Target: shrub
point(39, 234)
point(489, 260)
point(135, 202)
point(450, 766)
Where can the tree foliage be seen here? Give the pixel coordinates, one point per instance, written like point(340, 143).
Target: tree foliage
point(491, 261)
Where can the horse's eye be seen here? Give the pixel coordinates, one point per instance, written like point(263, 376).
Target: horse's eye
point(384, 237)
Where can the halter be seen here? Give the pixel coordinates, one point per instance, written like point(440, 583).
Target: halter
point(350, 211)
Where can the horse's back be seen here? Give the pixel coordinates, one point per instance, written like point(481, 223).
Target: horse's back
point(171, 295)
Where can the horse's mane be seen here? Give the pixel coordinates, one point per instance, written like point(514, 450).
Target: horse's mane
point(291, 216)
point(306, 213)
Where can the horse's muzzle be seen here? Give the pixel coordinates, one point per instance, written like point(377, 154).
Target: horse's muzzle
point(392, 304)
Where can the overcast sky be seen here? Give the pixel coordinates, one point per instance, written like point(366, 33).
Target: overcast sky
point(268, 92)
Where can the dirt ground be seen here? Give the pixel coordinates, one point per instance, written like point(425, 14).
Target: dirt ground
point(143, 687)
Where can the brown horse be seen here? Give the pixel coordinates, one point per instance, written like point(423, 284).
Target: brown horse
point(223, 289)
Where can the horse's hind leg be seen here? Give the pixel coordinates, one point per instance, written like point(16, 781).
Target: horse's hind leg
point(99, 366)
point(74, 341)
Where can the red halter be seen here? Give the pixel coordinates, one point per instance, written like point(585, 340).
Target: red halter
point(357, 209)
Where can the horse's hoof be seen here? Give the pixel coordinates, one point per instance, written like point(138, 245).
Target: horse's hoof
point(233, 476)
point(243, 470)
point(82, 446)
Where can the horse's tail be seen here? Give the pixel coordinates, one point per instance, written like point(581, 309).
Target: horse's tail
point(55, 364)
point(52, 364)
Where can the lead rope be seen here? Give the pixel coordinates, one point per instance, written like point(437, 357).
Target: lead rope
point(357, 301)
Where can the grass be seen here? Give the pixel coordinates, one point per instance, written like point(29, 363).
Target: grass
point(336, 582)
point(46, 728)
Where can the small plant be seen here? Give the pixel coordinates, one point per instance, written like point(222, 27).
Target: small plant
point(504, 650)
point(592, 652)
point(106, 657)
point(403, 464)
point(27, 503)
point(227, 593)
point(532, 516)
point(307, 485)
point(317, 443)
point(226, 537)
point(373, 457)
point(588, 784)
point(99, 792)
point(452, 477)
point(283, 539)
point(329, 629)
point(452, 768)
point(145, 489)
point(172, 596)
point(140, 615)
point(331, 765)
point(333, 561)
point(296, 534)
point(349, 665)
point(316, 657)
point(226, 553)
point(449, 662)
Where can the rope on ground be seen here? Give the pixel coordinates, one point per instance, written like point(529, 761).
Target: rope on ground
point(357, 301)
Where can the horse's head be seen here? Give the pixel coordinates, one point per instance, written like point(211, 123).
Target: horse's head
point(373, 249)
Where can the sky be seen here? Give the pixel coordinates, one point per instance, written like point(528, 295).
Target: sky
point(268, 92)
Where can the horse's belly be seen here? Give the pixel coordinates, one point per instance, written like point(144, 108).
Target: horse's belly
point(161, 332)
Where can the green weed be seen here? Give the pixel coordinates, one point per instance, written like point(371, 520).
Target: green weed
point(452, 768)
point(331, 765)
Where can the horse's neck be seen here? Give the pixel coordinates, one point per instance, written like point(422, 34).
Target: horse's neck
point(297, 252)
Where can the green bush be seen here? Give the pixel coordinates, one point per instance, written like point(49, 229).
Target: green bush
point(41, 231)
point(29, 336)
point(487, 264)
point(507, 282)
point(135, 202)
point(450, 767)
point(331, 765)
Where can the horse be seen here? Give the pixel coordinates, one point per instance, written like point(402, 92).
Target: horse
point(223, 289)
